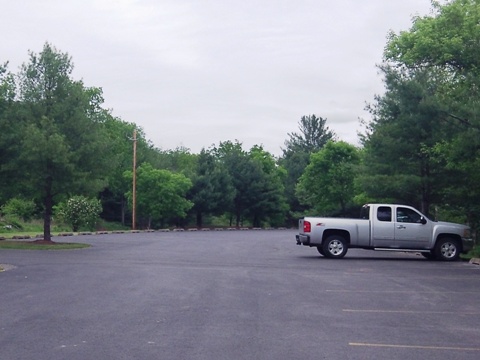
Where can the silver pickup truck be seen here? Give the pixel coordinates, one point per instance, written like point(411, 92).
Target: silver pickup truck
point(385, 227)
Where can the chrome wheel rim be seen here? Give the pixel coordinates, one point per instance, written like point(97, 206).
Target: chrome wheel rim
point(335, 247)
point(448, 250)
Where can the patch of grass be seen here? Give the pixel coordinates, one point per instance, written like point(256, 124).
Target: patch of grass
point(32, 245)
point(34, 227)
point(474, 253)
point(103, 225)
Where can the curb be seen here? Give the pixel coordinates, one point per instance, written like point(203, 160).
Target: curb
point(63, 234)
point(475, 261)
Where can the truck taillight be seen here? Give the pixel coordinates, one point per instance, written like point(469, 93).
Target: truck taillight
point(307, 227)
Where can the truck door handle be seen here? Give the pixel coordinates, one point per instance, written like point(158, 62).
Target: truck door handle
point(401, 227)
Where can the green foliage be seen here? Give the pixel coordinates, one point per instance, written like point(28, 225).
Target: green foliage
point(445, 45)
point(179, 160)
point(10, 130)
point(212, 191)
point(312, 136)
point(161, 194)
point(19, 208)
point(57, 133)
point(328, 181)
point(11, 223)
point(271, 206)
point(257, 183)
point(400, 160)
point(79, 211)
point(421, 147)
point(110, 226)
point(474, 253)
point(449, 38)
point(120, 139)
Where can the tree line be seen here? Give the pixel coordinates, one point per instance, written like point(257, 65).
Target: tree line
point(420, 147)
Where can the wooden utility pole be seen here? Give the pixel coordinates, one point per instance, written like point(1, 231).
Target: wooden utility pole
point(134, 190)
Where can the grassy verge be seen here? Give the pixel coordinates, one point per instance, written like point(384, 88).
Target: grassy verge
point(31, 234)
point(32, 245)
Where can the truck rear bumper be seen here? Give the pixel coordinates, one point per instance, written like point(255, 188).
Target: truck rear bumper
point(303, 239)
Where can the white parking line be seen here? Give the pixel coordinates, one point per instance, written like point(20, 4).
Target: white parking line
point(403, 291)
point(415, 347)
point(412, 311)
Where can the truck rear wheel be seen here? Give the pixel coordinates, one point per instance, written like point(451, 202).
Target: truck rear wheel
point(447, 249)
point(335, 247)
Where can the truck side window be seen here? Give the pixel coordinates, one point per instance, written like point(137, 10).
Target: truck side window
point(384, 213)
point(408, 215)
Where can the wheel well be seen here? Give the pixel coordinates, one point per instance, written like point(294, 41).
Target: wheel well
point(343, 233)
point(455, 237)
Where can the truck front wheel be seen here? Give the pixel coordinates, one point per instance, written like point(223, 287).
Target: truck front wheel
point(335, 247)
point(447, 249)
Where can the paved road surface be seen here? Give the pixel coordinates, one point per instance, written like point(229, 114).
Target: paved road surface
point(233, 295)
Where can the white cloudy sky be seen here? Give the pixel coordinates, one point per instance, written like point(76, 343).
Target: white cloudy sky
point(196, 72)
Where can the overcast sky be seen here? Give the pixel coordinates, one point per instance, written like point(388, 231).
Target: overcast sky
point(193, 73)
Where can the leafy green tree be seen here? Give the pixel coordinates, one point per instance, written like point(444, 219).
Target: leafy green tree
point(327, 184)
point(120, 138)
point(212, 192)
point(270, 205)
point(179, 160)
point(10, 132)
point(62, 137)
point(161, 194)
point(257, 181)
point(79, 211)
point(243, 175)
point(400, 164)
point(448, 38)
point(447, 41)
point(312, 136)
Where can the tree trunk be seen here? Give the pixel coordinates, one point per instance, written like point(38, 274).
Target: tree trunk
point(123, 206)
point(48, 204)
point(199, 219)
point(256, 221)
point(425, 178)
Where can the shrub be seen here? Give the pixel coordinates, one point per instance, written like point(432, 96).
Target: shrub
point(79, 211)
point(18, 209)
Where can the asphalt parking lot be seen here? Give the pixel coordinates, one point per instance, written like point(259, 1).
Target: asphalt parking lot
point(233, 295)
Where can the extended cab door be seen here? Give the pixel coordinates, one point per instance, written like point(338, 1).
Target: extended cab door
point(383, 231)
point(410, 231)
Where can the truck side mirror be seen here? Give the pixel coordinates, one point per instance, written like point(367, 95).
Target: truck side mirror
point(423, 220)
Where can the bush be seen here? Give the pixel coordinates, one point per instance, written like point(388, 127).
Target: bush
point(79, 211)
point(19, 209)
